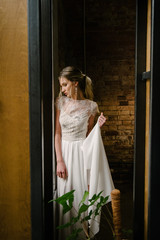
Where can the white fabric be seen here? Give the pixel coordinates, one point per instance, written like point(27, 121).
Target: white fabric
point(95, 161)
point(81, 156)
point(77, 180)
point(74, 117)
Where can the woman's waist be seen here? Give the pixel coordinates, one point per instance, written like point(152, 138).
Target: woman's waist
point(72, 137)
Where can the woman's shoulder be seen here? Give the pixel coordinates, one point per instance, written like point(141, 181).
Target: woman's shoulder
point(92, 102)
point(60, 100)
point(93, 107)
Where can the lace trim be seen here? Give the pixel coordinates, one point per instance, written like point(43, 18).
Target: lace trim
point(71, 106)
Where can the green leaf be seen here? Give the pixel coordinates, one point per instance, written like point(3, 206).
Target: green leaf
point(71, 199)
point(72, 222)
point(83, 208)
point(90, 213)
point(101, 199)
point(99, 193)
point(66, 207)
point(95, 198)
point(66, 201)
point(84, 197)
point(76, 219)
point(106, 199)
point(98, 208)
point(65, 197)
point(85, 219)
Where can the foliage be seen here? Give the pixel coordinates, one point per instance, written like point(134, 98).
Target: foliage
point(66, 201)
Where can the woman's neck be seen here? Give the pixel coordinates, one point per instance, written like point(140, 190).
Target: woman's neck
point(79, 96)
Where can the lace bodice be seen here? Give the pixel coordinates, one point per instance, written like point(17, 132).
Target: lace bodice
point(74, 116)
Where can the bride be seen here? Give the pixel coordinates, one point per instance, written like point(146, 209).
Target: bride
point(77, 167)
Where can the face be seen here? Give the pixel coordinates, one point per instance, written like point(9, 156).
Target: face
point(67, 87)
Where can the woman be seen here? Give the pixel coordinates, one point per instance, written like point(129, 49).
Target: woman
point(75, 114)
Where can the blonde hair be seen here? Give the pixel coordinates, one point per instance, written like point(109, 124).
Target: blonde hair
point(88, 88)
point(74, 74)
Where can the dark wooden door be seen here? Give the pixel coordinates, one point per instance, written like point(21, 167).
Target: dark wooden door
point(154, 149)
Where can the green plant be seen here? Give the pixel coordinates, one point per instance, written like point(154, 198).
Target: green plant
point(97, 201)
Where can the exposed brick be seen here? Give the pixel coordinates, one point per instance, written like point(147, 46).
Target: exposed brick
point(112, 118)
point(107, 103)
point(130, 108)
point(122, 137)
point(111, 133)
point(121, 113)
point(125, 127)
point(102, 108)
point(131, 103)
point(133, 122)
point(112, 127)
point(109, 138)
point(106, 128)
point(114, 123)
point(127, 123)
point(109, 113)
point(123, 103)
point(126, 117)
point(121, 98)
point(110, 62)
point(111, 107)
point(130, 97)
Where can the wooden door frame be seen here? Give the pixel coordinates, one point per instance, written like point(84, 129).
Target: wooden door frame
point(43, 69)
point(140, 114)
point(40, 114)
point(154, 155)
point(154, 139)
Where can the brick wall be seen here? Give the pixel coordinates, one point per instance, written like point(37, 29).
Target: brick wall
point(110, 50)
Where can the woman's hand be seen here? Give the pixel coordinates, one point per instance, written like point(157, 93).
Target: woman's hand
point(61, 169)
point(101, 120)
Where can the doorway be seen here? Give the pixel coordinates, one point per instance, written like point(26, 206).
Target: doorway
point(45, 63)
point(99, 38)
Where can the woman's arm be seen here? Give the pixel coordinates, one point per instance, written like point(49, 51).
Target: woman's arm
point(90, 124)
point(101, 120)
point(61, 167)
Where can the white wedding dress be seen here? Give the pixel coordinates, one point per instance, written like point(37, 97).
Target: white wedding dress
point(85, 158)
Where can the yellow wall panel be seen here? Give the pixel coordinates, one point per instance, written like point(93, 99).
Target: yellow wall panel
point(14, 122)
point(148, 53)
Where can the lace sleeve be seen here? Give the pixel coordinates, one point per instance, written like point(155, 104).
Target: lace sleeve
point(94, 108)
point(59, 103)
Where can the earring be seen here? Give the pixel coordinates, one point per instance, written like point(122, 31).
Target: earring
point(75, 91)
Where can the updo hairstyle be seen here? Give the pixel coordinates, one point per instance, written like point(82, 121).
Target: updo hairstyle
point(74, 74)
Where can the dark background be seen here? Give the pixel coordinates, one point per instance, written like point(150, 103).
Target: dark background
point(105, 51)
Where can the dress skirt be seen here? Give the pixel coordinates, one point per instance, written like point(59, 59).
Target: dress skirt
point(87, 164)
point(77, 180)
